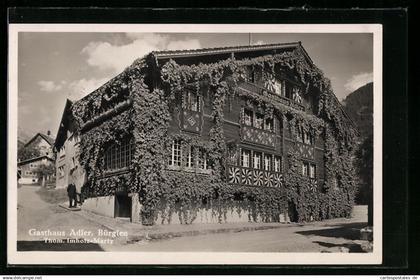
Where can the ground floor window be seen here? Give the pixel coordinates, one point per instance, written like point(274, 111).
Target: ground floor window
point(305, 169)
point(309, 170)
point(176, 153)
point(245, 158)
point(312, 171)
point(202, 159)
point(257, 160)
point(190, 157)
point(120, 155)
point(277, 164)
point(267, 162)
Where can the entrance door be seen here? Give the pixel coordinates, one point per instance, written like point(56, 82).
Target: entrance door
point(122, 206)
point(293, 214)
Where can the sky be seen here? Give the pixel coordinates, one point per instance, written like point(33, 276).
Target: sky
point(54, 66)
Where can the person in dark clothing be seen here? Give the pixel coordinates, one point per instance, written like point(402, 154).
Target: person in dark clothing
point(71, 192)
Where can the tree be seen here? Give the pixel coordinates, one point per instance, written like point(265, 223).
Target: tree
point(28, 152)
point(44, 171)
point(364, 165)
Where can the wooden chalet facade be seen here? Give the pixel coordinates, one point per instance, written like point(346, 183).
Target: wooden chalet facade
point(214, 135)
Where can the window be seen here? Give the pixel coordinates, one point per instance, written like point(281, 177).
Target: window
point(278, 87)
point(312, 171)
point(259, 121)
point(251, 75)
point(305, 169)
point(267, 162)
point(248, 117)
point(245, 158)
point(307, 138)
point(73, 163)
point(202, 159)
point(269, 124)
point(118, 156)
point(257, 160)
point(190, 157)
point(176, 154)
point(61, 171)
point(192, 101)
point(277, 164)
point(299, 135)
point(296, 95)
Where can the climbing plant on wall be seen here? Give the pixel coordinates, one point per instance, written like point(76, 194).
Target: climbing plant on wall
point(163, 192)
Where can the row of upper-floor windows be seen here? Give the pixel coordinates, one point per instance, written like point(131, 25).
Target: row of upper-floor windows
point(259, 160)
point(273, 83)
point(257, 120)
point(191, 101)
point(305, 137)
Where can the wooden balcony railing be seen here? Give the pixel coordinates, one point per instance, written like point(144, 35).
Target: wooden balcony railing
point(238, 175)
point(253, 88)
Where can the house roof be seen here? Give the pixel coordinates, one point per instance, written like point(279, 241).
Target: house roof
point(64, 125)
point(43, 136)
point(26, 161)
point(221, 50)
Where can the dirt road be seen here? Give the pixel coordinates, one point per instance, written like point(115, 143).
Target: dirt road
point(36, 214)
point(341, 235)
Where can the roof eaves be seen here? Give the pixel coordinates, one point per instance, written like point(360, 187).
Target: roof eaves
point(34, 159)
point(212, 51)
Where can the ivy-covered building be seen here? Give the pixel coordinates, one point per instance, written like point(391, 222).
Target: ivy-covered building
point(248, 133)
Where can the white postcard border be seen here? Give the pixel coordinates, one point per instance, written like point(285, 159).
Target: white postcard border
point(18, 257)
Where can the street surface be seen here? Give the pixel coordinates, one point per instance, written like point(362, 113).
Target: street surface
point(340, 235)
point(308, 238)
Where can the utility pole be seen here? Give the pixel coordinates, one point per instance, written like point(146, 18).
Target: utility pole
point(249, 39)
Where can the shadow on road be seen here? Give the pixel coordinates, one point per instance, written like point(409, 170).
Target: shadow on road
point(42, 246)
point(349, 231)
point(352, 247)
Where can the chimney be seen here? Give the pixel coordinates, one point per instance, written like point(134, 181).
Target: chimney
point(49, 132)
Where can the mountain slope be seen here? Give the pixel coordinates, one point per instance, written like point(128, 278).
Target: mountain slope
point(359, 106)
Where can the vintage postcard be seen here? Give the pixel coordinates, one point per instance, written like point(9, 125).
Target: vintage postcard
point(195, 144)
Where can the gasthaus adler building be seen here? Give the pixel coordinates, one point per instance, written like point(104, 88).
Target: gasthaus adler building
point(247, 133)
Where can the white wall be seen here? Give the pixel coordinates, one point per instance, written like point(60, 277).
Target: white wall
point(28, 181)
point(102, 205)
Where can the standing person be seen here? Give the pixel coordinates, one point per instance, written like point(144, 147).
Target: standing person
point(71, 192)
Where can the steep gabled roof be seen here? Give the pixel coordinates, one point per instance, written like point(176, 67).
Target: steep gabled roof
point(64, 124)
point(43, 136)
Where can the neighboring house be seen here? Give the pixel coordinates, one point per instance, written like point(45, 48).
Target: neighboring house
point(27, 169)
point(248, 133)
point(66, 147)
point(43, 143)
point(21, 144)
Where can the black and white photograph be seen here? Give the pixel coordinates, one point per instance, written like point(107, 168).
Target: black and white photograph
point(195, 144)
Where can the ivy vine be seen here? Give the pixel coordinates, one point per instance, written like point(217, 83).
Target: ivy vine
point(163, 192)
